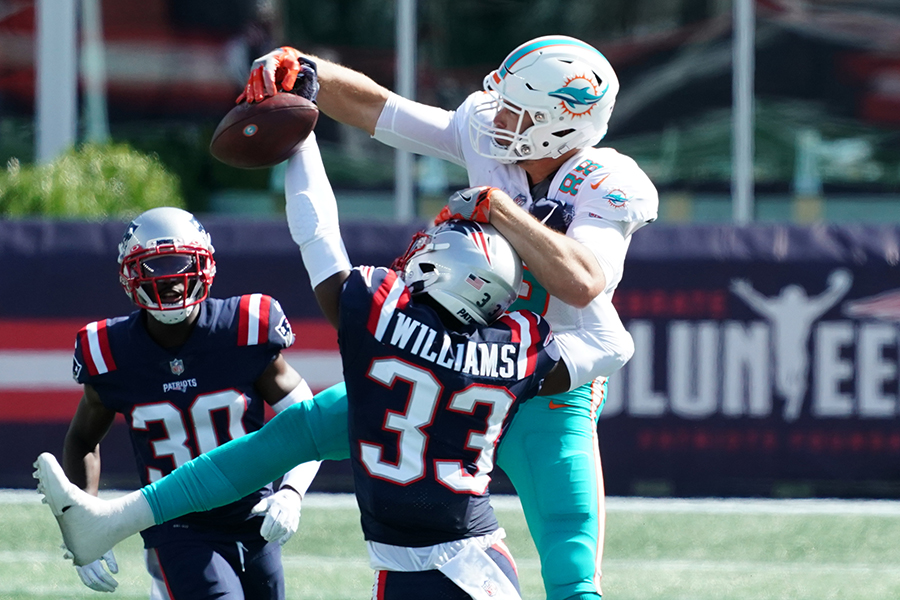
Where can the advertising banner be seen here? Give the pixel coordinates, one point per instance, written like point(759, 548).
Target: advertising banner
point(765, 364)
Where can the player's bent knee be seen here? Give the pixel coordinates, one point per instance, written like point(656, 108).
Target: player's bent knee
point(569, 568)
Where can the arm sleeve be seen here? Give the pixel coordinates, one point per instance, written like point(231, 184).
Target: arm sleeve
point(312, 214)
point(613, 202)
point(420, 129)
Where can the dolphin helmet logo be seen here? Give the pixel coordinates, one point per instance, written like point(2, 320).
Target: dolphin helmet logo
point(579, 95)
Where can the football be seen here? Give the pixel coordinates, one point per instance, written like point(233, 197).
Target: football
point(263, 134)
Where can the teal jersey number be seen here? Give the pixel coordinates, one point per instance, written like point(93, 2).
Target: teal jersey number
point(533, 297)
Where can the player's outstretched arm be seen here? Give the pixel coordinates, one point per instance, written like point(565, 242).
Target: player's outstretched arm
point(349, 97)
point(328, 295)
point(565, 267)
point(345, 95)
point(313, 220)
point(281, 387)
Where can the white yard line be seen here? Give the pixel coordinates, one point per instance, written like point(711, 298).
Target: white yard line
point(741, 506)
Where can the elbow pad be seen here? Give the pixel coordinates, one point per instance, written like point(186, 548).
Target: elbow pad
point(312, 214)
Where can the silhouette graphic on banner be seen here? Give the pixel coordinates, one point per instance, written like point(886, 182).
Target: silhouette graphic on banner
point(791, 314)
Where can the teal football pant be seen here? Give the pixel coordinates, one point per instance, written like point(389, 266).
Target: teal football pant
point(550, 454)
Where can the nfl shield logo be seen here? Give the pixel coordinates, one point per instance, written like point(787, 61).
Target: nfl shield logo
point(490, 587)
point(177, 366)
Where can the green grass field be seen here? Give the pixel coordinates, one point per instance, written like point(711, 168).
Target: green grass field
point(655, 549)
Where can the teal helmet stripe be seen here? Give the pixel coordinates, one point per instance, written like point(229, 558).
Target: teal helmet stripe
point(513, 58)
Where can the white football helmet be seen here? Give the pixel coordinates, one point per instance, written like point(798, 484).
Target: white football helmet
point(166, 263)
point(564, 85)
point(466, 267)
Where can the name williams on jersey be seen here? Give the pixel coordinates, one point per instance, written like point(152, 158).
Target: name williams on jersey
point(484, 359)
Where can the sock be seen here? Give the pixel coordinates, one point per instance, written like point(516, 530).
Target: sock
point(130, 514)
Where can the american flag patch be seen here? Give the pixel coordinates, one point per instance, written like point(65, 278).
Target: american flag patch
point(475, 281)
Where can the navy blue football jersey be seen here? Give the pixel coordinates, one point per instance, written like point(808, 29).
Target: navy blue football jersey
point(427, 406)
point(182, 402)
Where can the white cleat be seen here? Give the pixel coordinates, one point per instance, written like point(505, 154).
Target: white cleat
point(82, 518)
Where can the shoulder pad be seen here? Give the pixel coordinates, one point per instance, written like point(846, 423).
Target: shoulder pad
point(261, 320)
point(530, 331)
point(385, 292)
point(611, 186)
point(92, 345)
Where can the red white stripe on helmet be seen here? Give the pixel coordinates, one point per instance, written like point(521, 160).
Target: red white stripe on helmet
point(481, 244)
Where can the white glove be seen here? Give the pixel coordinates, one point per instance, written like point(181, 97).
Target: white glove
point(282, 510)
point(95, 575)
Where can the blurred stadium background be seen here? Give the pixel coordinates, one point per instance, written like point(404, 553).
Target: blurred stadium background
point(767, 361)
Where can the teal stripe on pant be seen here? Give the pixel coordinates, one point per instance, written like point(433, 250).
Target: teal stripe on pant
point(551, 457)
point(311, 430)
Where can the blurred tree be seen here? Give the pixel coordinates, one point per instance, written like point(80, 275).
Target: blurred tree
point(91, 181)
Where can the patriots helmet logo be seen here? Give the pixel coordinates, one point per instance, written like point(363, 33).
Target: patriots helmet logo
point(463, 227)
point(198, 225)
point(473, 231)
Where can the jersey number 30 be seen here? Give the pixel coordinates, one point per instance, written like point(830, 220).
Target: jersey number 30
point(412, 429)
point(175, 444)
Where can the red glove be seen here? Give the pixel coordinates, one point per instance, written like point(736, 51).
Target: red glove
point(470, 204)
point(279, 69)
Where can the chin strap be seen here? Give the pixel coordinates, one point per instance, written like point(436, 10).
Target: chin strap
point(172, 317)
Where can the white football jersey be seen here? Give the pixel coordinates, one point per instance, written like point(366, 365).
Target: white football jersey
point(601, 198)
